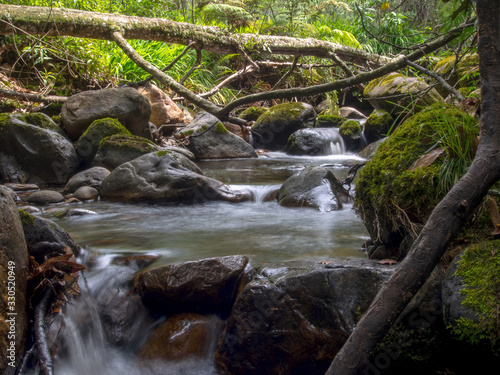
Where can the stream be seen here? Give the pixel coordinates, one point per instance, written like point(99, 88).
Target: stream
point(261, 229)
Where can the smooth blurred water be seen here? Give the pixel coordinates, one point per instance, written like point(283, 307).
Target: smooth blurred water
point(263, 230)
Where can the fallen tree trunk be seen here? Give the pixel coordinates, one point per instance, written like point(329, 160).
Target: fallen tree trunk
point(357, 355)
point(83, 24)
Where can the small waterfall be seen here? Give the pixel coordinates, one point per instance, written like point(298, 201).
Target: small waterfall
point(89, 342)
point(259, 193)
point(333, 144)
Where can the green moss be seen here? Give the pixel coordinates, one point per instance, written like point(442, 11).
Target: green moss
point(188, 132)
point(479, 267)
point(130, 142)
point(286, 112)
point(164, 153)
point(379, 119)
point(106, 126)
point(252, 113)
point(350, 128)
point(387, 190)
point(26, 218)
point(329, 121)
point(382, 81)
point(220, 128)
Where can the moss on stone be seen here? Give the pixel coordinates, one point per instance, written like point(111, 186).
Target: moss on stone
point(387, 190)
point(282, 113)
point(329, 121)
point(479, 267)
point(107, 126)
point(26, 218)
point(382, 81)
point(219, 128)
point(252, 113)
point(130, 142)
point(350, 128)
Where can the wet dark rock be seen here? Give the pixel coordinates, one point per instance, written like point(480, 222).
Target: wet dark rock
point(126, 104)
point(206, 286)
point(209, 139)
point(69, 212)
point(352, 134)
point(135, 261)
point(377, 125)
point(314, 187)
point(30, 153)
point(92, 177)
point(45, 197)
point(13, 261)
point(165, 177)
point(293, 320)
point(316, 141)
point(183, 336)
point(38, 230)
point(272, 129)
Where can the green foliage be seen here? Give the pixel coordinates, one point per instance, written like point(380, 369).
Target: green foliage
point(479, 267)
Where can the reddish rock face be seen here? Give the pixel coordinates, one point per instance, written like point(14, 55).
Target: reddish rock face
point(208, 286)
point(182, 336)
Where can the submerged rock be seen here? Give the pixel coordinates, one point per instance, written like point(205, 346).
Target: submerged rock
point(206, 286)
point(314, 187)
point(183, 336)
point(165, 177)
point(272, 129)
point(293, 320)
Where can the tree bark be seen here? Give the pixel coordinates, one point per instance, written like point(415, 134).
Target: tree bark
point(357, 355)
point(83, 24)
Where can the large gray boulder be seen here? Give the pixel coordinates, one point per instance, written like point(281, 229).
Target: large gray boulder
point(205, 286)
point(34, 151)
point(272, 128)
point(164, 177)
point(13, 284)
point(395, 91)
point(293, 320)
point(314, 187)
point(209, 139)
point(126, 104)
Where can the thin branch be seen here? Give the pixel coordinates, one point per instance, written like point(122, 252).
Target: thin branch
point(232, 77)
point(437, 77)
point(195, 66)
point(45, 358)
point(32, 97)
point(289, 73)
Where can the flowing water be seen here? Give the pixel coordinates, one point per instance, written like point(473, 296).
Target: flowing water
point(261, 229)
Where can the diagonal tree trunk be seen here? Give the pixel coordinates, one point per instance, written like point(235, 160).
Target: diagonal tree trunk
point(356, 356)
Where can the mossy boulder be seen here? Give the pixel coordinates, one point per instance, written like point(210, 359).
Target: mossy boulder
point(121, 148)
point(252, 113)
point(329, 121)
point(377, 125)
point(89, 142)
point(351, 133)
point(396, 191)
point(471, 296)
point(396, 93)
point(209, 139)
point(466, 73)
point(272, 129)
point(33, 150)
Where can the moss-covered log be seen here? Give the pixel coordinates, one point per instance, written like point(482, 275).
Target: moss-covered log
point(83, 24)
